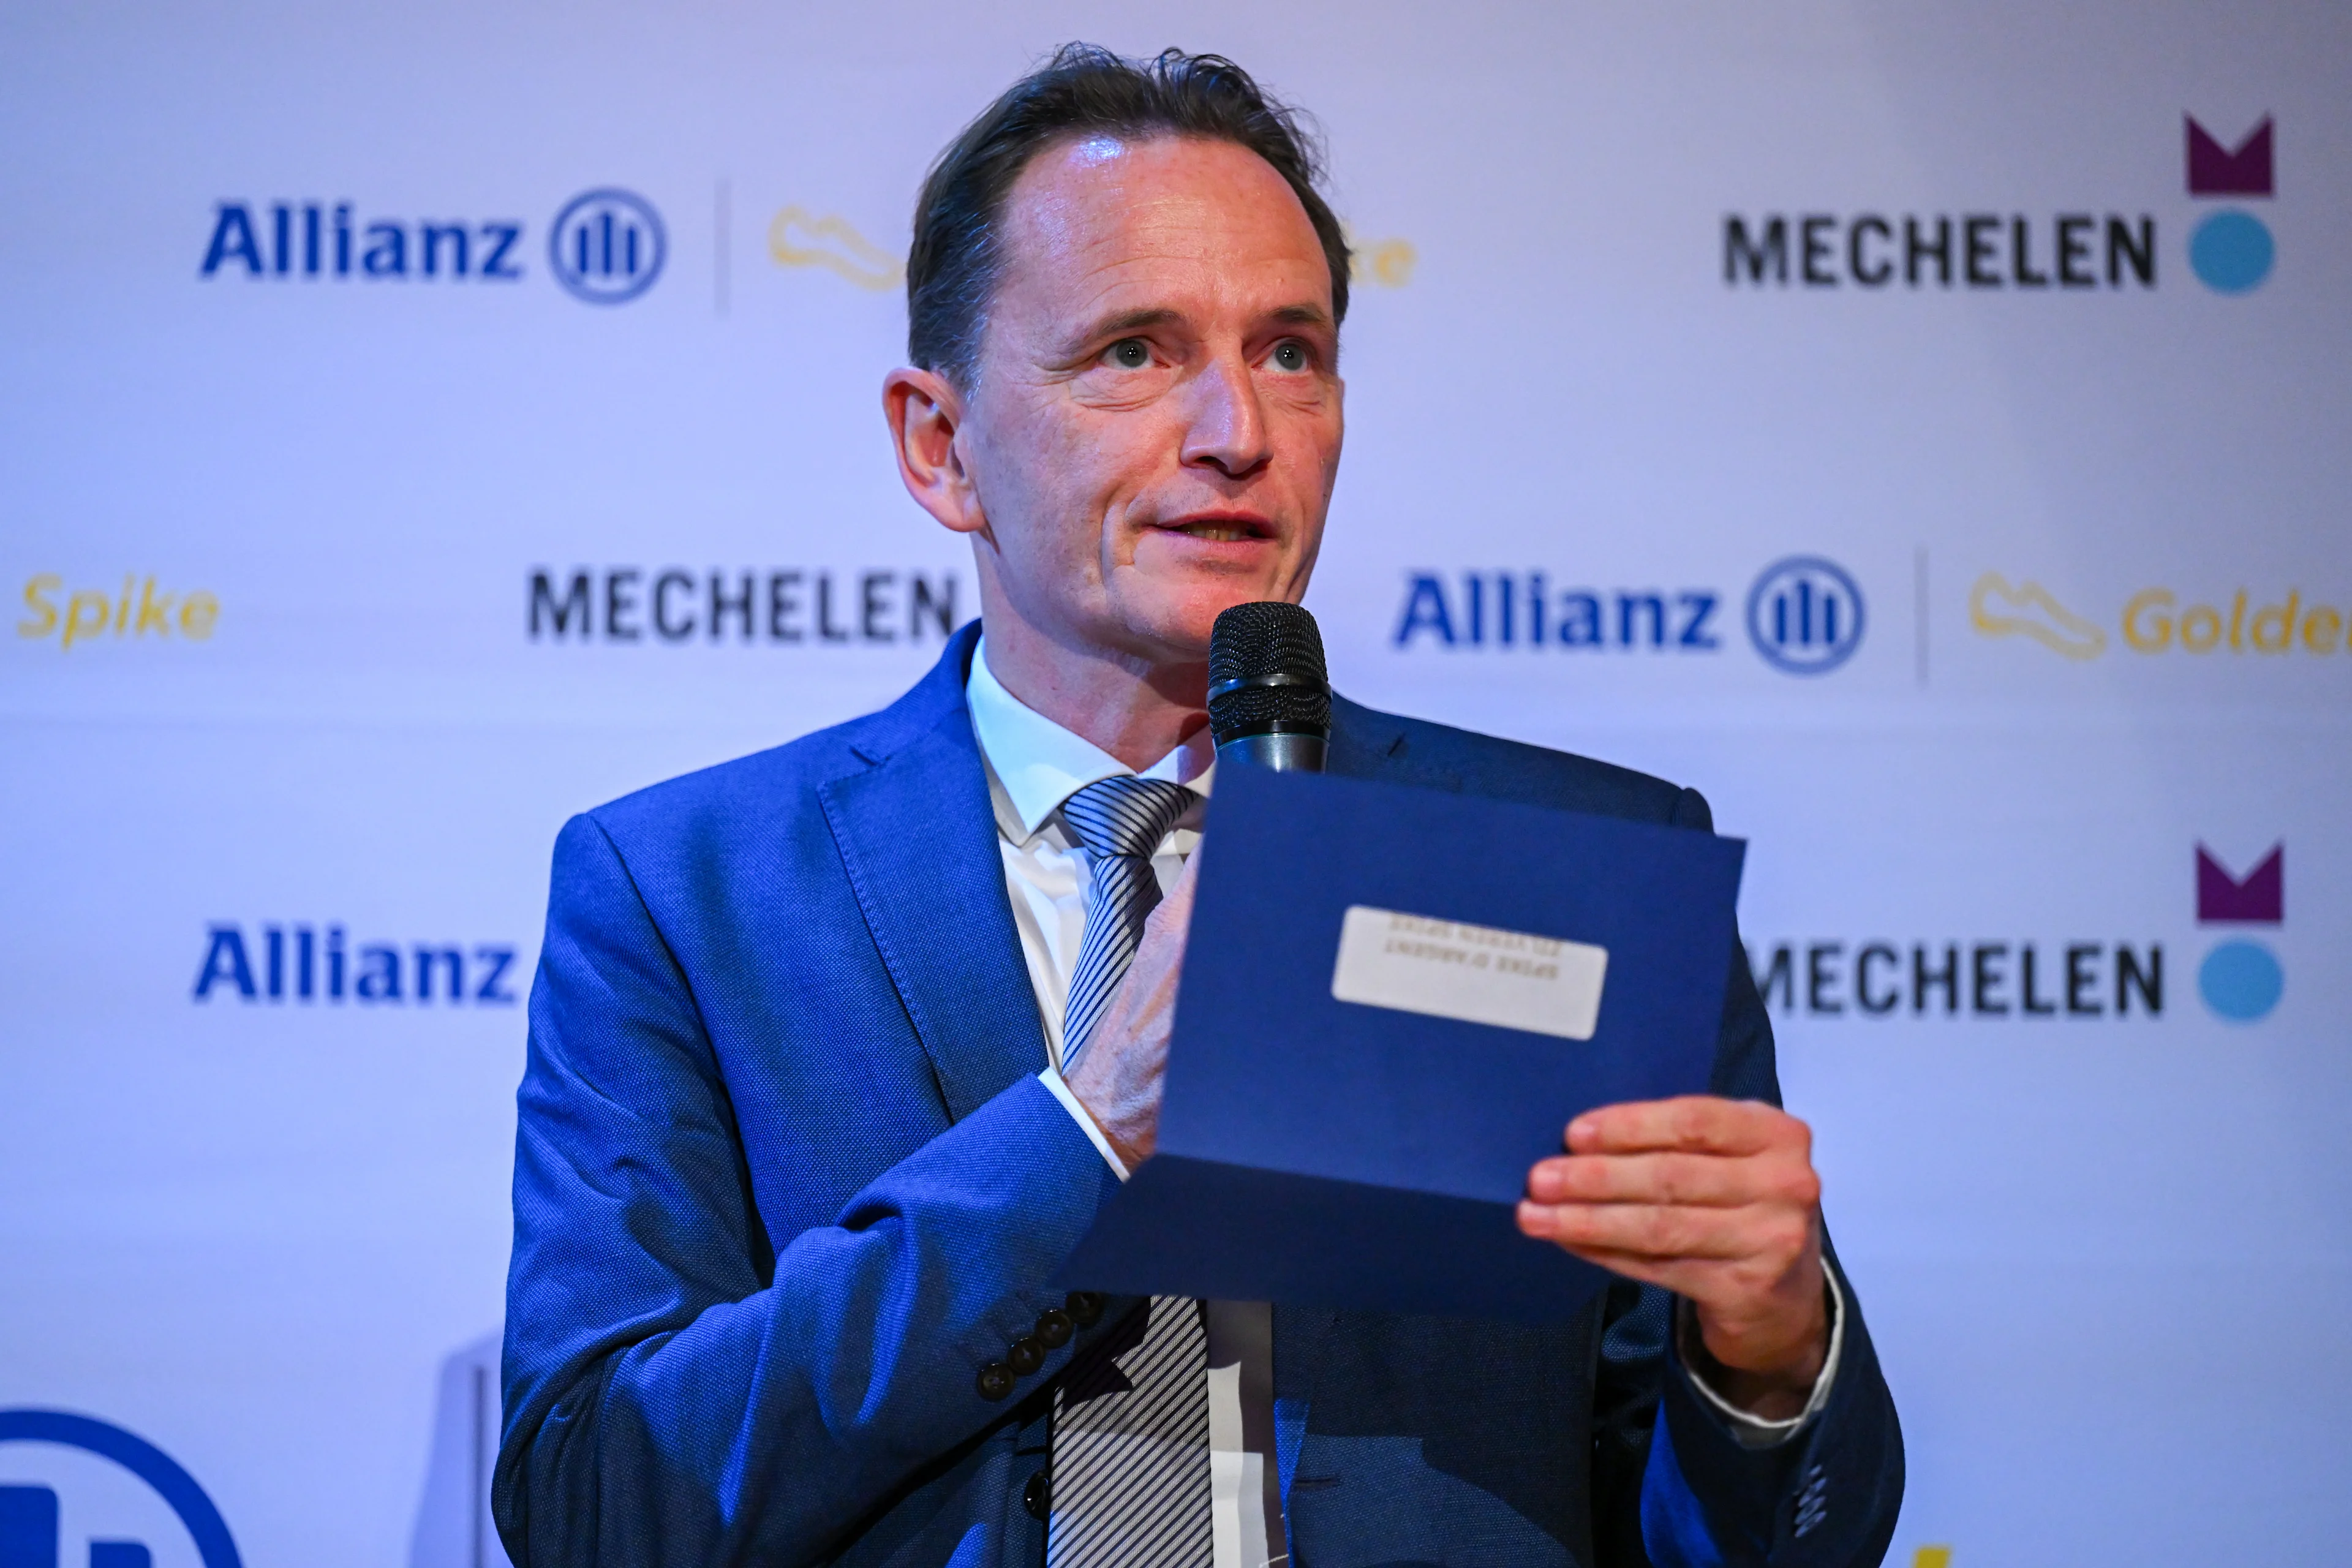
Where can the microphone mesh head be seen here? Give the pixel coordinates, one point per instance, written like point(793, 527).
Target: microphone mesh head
point(1252, 642)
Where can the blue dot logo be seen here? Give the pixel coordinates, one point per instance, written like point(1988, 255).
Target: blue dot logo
point(30, 1516)
point(1805, 615)
point(2232, 252)
point(607, 246)
point(2241, 981)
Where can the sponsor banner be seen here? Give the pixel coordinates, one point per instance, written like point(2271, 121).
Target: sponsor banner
point(1922, 434)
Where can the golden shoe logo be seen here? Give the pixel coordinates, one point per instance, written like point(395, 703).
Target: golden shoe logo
point(798, 238)
point(2162, 621)
point(1998, 610)
point(86, 614)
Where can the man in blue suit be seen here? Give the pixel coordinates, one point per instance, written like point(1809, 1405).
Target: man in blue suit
point(835, 1050)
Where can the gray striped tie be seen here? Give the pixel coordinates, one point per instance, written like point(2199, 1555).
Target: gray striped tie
point(1130, 1483)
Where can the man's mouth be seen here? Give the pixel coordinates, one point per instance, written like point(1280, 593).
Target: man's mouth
point(1222, 530)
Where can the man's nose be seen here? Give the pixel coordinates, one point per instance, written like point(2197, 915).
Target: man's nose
point(1228, 429)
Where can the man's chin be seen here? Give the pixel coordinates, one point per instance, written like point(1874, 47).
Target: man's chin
point(1175, 619)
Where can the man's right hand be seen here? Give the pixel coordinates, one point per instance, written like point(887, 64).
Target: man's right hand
point(1117, 1076)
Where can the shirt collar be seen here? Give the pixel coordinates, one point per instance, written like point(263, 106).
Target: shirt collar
point(1037, 762)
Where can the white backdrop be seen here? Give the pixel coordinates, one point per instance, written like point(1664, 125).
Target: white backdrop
point(270, 538)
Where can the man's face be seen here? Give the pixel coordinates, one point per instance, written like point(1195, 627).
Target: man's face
point(1155, 424)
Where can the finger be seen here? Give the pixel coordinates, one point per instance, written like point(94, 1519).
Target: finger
point(1706, 1180)
point(1697, 1279)
point(1655, 1231)
point(1699, 1123)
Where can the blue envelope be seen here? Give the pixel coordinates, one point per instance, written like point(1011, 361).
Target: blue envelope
point(1393, 1001)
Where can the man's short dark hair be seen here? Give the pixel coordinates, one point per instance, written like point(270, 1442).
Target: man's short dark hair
point(955, 266)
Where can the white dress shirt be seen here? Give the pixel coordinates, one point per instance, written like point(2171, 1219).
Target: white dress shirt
point(1033, 764)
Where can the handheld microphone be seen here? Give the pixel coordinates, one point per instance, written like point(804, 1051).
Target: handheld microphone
point(1269, 700)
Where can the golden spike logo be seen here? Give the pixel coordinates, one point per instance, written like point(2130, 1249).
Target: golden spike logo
point(1390, 262)
point(799, 237)
point(1387, 262)
point(1999, 610)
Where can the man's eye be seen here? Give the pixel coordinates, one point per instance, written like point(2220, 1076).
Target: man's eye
point(1291, 356)
point(1130, 354)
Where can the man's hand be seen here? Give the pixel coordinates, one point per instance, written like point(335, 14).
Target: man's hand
point(1119, 1074)
point(1717, 1201)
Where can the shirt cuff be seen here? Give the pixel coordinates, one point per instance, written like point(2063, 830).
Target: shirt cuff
point(1754, 1431)
point(1061, 1091)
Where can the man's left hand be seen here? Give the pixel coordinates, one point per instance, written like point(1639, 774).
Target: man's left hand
point(1716, 1200)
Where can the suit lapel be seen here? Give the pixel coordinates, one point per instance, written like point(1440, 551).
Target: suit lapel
point(920, 844)
point(1369, 744)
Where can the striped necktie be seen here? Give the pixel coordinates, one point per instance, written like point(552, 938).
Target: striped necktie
point(1130, 1462)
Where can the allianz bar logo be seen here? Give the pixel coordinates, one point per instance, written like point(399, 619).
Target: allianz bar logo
point(1802, 614)
point(604, 246)
point(2239, 979)
point(60, 1504)
point(771, 606)
point(2230, 250)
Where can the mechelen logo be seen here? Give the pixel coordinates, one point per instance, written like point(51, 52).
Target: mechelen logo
point(311, 963)
point(2026, 978)
point(774, 606)
point(31, 1521)
point(2240, 979)
point(2020, 978)
point(2113, 250)
point(1804, 615)
point(606, 247)
point(2231, 251)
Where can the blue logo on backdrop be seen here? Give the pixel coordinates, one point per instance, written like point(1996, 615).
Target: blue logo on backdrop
point(28, 1514)
point(290, 961)
point(319, 241)
point(607, 246)
point(2232, 252)
point(1805, 615)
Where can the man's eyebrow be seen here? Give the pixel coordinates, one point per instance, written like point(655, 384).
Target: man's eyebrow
point(1114, 326)
point(1304, 315)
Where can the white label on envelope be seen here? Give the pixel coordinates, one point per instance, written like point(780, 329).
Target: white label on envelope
point(1476, 974)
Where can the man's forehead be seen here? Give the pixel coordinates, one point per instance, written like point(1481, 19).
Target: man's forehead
point(1097, 210)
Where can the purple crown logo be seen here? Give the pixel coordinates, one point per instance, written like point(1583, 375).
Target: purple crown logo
point(2218, 171)
point(2260, 899)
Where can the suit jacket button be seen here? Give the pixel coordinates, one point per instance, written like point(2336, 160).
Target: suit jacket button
point(1025, 1356)
point(1085, 1307)
point(995, 1381)
point(1054, 1327)
point(1037, 1497)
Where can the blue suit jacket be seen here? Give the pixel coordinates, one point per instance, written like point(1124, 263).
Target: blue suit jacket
point(785, 1181)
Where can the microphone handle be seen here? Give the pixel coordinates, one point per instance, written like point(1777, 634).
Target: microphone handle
point(1290, 751)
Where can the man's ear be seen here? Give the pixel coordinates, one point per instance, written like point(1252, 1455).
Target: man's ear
point(926, 413)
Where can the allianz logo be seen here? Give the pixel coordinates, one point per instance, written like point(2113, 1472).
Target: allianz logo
point(52, 1512)
point(2163, 621)
point(312, 964)
point(604, 246)
point(1803, 614)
